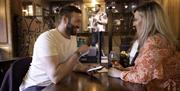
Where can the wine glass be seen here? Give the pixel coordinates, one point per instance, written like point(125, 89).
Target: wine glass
point(114, 58)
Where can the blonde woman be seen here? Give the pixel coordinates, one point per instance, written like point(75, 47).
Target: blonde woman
point(156, 62)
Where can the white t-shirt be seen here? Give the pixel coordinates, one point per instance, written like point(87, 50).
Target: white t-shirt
point(48, 44)
point(102, 17)
point(133, 51)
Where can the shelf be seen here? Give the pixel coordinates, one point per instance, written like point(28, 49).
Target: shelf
point(88, 33)
point(115, 33)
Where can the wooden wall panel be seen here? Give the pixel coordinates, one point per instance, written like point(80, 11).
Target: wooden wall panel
point(173, 9)
point(3, 22)
point(5, 29)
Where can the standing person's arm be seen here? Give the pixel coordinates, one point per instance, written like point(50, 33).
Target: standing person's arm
point(103, 19)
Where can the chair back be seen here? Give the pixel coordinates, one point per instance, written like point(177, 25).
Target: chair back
point(15, 74)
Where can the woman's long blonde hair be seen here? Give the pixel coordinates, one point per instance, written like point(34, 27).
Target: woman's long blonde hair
point(154, 21)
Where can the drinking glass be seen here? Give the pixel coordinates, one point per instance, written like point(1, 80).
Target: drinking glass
point(113, 58)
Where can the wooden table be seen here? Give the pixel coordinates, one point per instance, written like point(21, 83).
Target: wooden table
point(101, 82)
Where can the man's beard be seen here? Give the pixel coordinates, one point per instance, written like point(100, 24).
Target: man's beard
point(71, 29)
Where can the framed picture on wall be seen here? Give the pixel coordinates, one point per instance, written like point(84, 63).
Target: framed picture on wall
point(38, 12)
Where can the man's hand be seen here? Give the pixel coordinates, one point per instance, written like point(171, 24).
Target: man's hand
point(81, 67)
point(83, 49)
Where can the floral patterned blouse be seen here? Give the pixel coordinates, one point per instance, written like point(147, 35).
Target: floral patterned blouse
point(156, 60)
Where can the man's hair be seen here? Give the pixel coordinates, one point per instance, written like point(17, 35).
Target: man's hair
point(98, 5)
point(66, 11)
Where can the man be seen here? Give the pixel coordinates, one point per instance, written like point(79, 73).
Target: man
point(100, 18)
point(55, 52)
point(99, 21)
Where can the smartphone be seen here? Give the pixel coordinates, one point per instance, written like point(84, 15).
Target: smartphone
point(95, 69)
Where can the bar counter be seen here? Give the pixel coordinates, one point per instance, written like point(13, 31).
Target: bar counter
point(99, 82)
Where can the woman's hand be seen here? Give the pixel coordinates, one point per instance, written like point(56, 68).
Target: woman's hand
point(113, 72)
point(117, 66)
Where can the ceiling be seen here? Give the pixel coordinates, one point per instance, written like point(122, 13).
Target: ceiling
point(75, 0)
point(86, 0)
point(96, 0)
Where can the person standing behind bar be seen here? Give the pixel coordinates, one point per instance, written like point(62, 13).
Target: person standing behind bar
point(98, 23)
point(55, 52)
point(157, 60)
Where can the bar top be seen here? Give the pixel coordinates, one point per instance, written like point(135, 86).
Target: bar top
point(98, 82)
point(10, 59)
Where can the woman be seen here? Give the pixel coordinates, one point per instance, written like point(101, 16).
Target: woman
point(156, 62)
